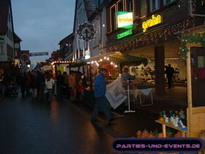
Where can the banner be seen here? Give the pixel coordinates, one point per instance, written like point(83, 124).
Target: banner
point(115, 93)
point(38, 54)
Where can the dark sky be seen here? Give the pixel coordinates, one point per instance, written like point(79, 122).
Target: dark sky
point(41, 24)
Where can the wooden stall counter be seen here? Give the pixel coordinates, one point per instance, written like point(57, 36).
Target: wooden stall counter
point(169, 124)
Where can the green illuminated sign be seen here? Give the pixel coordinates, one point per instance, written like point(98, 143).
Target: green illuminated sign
point(124, 20)
point(124, 34)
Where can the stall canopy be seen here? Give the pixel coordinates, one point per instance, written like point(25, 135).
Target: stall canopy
point(118, 57)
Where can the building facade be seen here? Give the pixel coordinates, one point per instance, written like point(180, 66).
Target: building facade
point(6, 31)
point(156, 32)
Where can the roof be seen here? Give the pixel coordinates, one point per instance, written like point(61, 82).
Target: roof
point(17, 39)
point(67, 39)
point(4, 9)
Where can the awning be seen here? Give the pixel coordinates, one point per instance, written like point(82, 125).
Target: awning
point(118, 57)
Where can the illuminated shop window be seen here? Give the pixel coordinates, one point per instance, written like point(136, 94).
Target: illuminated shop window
point(154, 5)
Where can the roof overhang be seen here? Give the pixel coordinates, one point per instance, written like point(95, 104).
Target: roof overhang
point(118, 57)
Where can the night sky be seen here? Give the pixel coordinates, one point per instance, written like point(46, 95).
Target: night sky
point(41, 24)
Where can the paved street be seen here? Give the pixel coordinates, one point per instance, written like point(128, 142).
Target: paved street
point(30, 127)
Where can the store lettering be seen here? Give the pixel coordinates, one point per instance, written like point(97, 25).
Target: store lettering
point(155, 20)
point(125, 20)
point(124, 34)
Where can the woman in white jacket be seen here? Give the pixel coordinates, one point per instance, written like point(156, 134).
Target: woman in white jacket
point(49, 82)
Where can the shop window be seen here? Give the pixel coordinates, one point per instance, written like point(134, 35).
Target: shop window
point(120, 5)
point(143, 8)
point(129, 5)
point(166, 2)
point(113, 18)
point(154, 5)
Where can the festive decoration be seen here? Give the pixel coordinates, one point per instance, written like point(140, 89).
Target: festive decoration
point(86, 31)
point(151, 37)
point(176, 118)
point(155, 134)
point(186, 39)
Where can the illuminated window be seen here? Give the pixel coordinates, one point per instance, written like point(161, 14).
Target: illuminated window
point(154, 5)
point(168, 1)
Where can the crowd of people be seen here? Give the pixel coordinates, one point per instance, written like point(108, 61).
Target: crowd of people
point(40, 85)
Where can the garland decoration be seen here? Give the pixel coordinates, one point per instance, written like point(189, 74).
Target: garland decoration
point(197, 38)
point(86, 31)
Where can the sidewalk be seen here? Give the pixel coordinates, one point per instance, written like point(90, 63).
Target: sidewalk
point(174, 99)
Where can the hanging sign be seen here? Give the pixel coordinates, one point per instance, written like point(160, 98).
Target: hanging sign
point(124, 20)
point(38, 54)
point(87, 54)
point(155, 20)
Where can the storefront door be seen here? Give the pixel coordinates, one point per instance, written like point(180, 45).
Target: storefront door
point(198, 76)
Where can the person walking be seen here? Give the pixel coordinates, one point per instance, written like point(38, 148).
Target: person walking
point(101, 103)
point(49, 82)
point(34, 84)
point(72, 85)
point(169, 73)
point(22, 82)
point(60, 84)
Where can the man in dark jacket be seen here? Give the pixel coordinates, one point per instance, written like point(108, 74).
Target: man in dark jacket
point(101, 103)
point(60, 83)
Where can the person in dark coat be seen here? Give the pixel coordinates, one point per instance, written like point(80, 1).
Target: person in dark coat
point(22, 82)
point(101, 103)
point(169, 71)
point(60, 83)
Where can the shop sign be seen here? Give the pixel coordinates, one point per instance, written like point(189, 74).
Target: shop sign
point(124, 20)
point(155, 20)
point(87, 54)
point(124, 34)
